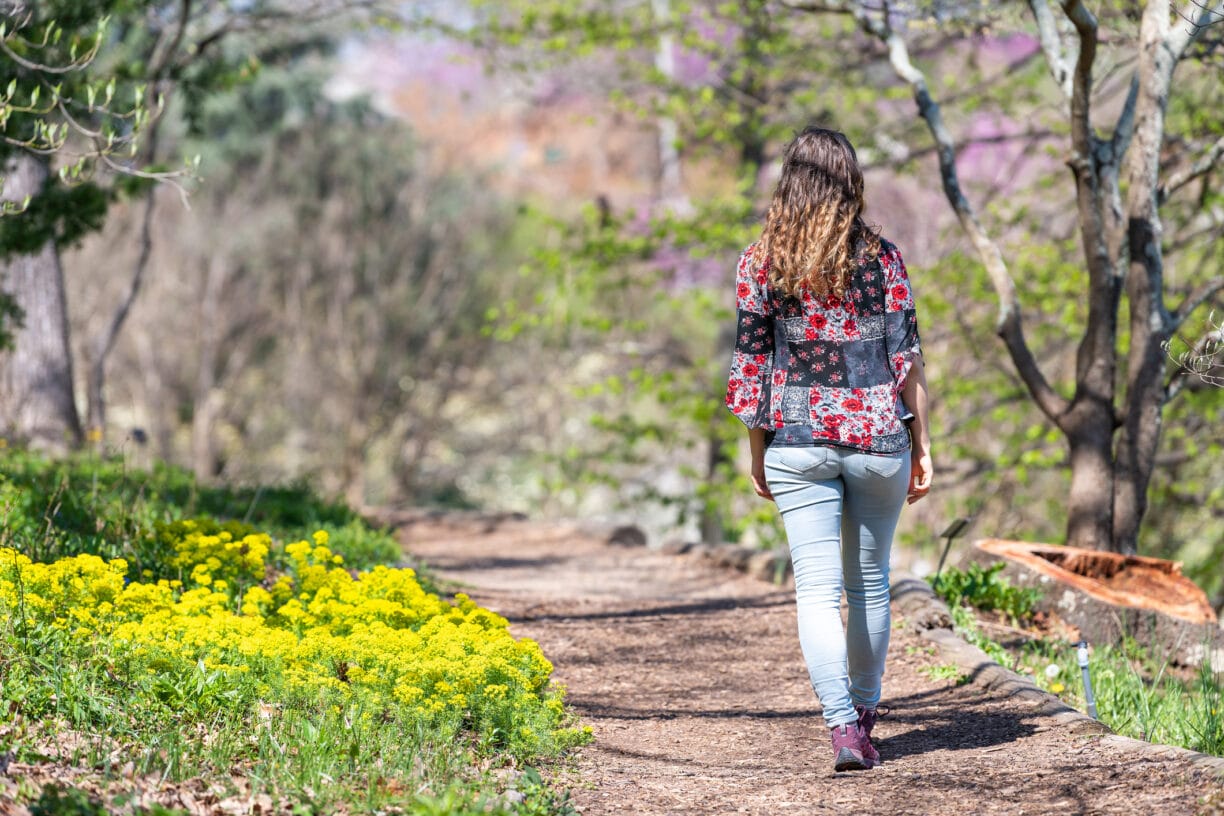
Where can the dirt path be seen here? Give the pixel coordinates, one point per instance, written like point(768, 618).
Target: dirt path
point(692, 679)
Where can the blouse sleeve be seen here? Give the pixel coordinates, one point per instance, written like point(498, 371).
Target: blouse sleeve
point(752, 360)
point(900, 316)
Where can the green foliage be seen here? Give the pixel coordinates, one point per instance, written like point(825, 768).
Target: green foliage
point(1138, 694)
point(86, 504)
point(315, 738)
point(986, 589)
point(59, 89)
point(68, 105)
point(61, 214)
point(944, 672)
point(965, 624)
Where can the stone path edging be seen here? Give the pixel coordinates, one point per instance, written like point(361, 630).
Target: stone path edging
point(930, 617)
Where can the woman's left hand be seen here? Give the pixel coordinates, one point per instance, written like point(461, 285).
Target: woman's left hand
point(921, 472)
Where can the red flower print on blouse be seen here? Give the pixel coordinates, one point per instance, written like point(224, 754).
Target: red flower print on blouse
point(848, 376)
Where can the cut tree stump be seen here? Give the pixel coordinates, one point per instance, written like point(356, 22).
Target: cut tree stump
point(1107, 596)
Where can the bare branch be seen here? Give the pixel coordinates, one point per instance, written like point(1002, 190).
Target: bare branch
point(1051, 45)
point(1204, 361)
point(1197, 18)
point(1082, 138)
point(161, 56)
point(1200, 168)
point(246, 22)
point(1196, 299)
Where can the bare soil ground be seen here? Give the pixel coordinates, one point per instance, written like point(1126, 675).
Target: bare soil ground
point(692, 679)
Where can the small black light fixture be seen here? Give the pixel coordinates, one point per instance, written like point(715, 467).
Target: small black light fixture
point(950, 532)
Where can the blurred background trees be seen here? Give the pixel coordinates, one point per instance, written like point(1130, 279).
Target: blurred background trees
point(486, 260)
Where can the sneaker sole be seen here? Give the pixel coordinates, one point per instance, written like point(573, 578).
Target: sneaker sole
point(847, 761)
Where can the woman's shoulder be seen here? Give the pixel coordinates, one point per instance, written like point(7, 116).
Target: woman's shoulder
point(749, 264)
point(887, 247)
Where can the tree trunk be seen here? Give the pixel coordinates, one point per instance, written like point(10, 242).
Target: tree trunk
point(1090, 502)
point(208, 398)
point(712, 511)
point(95, 369)
point(36, 399)
point(1150, 322)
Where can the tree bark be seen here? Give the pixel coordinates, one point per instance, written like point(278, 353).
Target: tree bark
point(1090, 501)
point(1091, 422)
point(1151, 324)
point(37, 405)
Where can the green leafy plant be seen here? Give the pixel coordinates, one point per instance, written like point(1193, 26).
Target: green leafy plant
point(986, 589)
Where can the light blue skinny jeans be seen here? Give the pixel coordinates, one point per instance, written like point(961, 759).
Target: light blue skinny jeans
point(840, 509)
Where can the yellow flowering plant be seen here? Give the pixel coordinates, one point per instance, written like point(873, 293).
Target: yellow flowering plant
point(236, 632)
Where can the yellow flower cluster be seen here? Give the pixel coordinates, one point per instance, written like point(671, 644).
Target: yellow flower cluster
point(314, 634)
point(231, 552)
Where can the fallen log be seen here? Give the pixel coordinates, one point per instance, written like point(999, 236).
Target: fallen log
point(1107, 596)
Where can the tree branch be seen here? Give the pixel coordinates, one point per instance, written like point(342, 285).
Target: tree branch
point(1200, 168)
point(1082, 138)
point(1199, 361)
point(1051, 45)
point(1203, 15)
point(1119, 142)
point(161, 56)
point(1009, 325)
point(1196, 299)
point(40, 68)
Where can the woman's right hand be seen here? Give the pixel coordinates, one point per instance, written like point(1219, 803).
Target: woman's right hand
point(921, 472)
point(756, 439)
point(758, 480)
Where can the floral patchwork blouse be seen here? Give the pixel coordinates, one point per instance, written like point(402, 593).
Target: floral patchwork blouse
point(826, 371)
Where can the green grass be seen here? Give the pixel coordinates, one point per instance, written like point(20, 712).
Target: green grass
point(85, 504)
point(75, 699)
point(1138, 693)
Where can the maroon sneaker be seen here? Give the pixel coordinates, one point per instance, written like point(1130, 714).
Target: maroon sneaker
point(848, 748)
point(866, 720)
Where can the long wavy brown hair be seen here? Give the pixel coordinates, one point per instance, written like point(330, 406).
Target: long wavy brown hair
point(814, 232)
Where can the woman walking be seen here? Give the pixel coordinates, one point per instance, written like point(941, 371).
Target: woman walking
point(827, 374)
